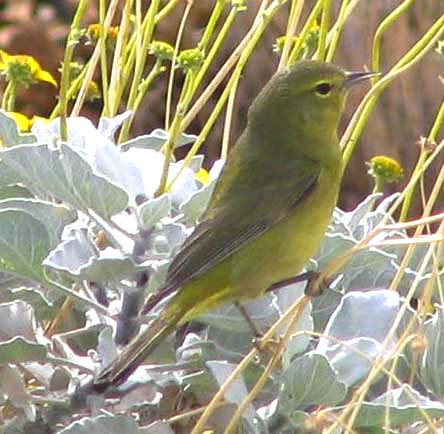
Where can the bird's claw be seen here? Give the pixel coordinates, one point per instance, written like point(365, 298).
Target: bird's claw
point(316, 284)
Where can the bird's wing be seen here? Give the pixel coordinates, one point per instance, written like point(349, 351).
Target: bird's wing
point(241, 214)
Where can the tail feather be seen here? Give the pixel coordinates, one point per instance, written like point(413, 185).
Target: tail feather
point(118, 371)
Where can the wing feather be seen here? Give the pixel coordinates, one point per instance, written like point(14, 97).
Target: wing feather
point(239, 215)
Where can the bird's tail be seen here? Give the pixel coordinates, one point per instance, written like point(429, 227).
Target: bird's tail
point(118, 371)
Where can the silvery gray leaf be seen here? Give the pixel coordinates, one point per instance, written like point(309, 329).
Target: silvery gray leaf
point(17, 319)
point(42, 307)
point(349, 321)
point(237, 391)
point(196, 163)
point(333, 245)
point(154, 210)
point(310, 380)
point(284, 298)
point(197, 203)
point(20, 350)
point(175, 233)
point(65, 175)
point(353, 323)
point(54, 216)
point(75, 252)
point(369, 269)
point(111, 162)
point(432, 362)
point(354, 217)
point(24, 243)
point(184, 186)
point(13, 386)
point(103, 424)
point(156, 139)
point(10, 134)
point(108, 126)
point(402, 406)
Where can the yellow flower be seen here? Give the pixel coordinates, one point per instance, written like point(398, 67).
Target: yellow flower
point(203, 176)
point(191, 59)
point(309, 44)
point(36, 118)
point(23, 122)
point(23, 69)
point(386, 168)
point(278, 46)
point(94, 31)
point(93, 92)
point(162, 50)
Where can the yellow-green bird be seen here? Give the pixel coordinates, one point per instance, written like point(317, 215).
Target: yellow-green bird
point(269, 210)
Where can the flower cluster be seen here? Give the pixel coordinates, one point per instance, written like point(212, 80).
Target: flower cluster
point(23, 70)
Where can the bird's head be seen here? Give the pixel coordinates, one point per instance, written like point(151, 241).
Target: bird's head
point(304, 101)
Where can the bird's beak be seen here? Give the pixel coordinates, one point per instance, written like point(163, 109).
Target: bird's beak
point(351, 78)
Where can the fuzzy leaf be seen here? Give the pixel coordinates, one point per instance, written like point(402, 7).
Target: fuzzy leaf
point(432, 363)
point(310, 380)
point(154, 210)
point(402, 406)
point(103, 425)
point(362, 321)
point(18, 350)
point(66, 176)
point(24, 243)
point(156, 139)
point(9, 132)
point(54, 217)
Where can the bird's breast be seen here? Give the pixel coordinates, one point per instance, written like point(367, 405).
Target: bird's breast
point(285, 248)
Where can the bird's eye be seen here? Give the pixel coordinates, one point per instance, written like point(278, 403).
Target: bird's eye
point(323, 88)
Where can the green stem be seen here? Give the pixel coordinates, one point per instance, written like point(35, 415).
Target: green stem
point(169, 96)
point(118, 78)
point(297, 49)
point(9, 96)
point(211, 25)
point(323, 31)
point(382, 28)
point(379, 184)
point(77, 297)
point(123, 73)
point(103, 57)
point(175, 130)
point(221, 35)
point(163, 13)
point(293, 20)
point(361, 115)
point(336, 31)
point(142, 53)
point(143, 89)
point(94, 60)
point(72, 92)
point(406, 204)
point(266, 16)
point(72, 41)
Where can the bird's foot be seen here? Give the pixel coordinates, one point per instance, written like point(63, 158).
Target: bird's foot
point(316, 284)
point(270, 345)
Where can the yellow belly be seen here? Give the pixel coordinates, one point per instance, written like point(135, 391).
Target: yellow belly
point(278, 254)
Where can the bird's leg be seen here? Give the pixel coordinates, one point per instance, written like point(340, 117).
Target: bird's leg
point(249, 321)
point(315, 283)
point(299, 278)
point(258, 335)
